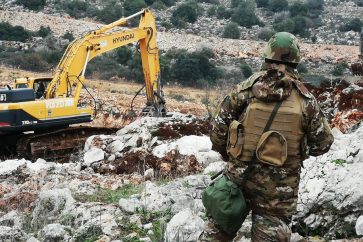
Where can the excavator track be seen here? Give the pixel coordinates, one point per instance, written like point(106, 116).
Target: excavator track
point(57, 145)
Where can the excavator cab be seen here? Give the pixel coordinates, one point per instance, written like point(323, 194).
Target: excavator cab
point(39, 85)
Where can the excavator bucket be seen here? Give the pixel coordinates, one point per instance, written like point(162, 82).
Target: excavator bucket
point(357, 68)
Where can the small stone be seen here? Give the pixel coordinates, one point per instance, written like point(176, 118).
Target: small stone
point(149, 174)
point(104, 238)
point(146, 239)
point(148, 226)
point(112, 158)
point(116, 146)
point(129, 205)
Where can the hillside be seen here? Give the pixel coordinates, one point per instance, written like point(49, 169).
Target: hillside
point(144, 181)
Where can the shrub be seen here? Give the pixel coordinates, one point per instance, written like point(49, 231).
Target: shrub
point(287, 25)
point(246, 70)
point(278, 5)
point(112, 11)
point(298, 8)
point(359, 3)
point(223, 12)
point(31, 61)
point(209, 1)
point(32, 4)
point(235, 3)
point(296, 25)
point(103, 67)
point(186, 12)
point(44, 31)
point(265, 34)
point(123, 55)
point(160, 2)
point(13, 33)
point(77, 8)
point(245, 15)
point(231, 31)
point(301, 68)
point(314, 39)
point(68, 35)
point(133, 6)
point(212, 11)
point(262, 3)
point(354, 24)
point(315, 4)
point(339, 69)
point(191, 67)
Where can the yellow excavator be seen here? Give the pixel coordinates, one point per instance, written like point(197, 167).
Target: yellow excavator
point(36, 114)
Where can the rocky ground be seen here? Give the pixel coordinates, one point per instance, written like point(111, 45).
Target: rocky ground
point(144, 183)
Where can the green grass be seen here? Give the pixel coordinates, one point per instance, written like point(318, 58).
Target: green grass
point(158, 220)
point(110, 196)
point(339, 162)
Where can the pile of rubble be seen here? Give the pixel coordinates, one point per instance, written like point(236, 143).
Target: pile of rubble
point(341, 102)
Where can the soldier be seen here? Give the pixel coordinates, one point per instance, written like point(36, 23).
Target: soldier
point(298, 129)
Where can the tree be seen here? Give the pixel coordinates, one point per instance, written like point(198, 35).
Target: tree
point(266, 33)
point(133, 6)
point(222, 12)
point(13, 33)
point(231, 31)
point(315, 4)
point(32, 4)
point(68, 35)
point(339, 69)
point(112, 11)
point(191, 67)
point(123, 54)
point(245, 15)
point(354, 24)
point(278, 5)
point(298, 8)
point(44, 31)
point(186, 12)
point(262, 3)
point(246, 70)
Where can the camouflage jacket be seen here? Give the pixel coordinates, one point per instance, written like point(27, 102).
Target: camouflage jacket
point(269, 189)
point(271, 85)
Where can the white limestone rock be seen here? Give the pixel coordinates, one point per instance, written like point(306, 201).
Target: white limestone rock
point(185, 226)
point(55, 232)
point(50, 205)
point(200, 146)
point(330, 192)
point(93, 155)
point(215, 167)
point(359, 226)
point(8, 234)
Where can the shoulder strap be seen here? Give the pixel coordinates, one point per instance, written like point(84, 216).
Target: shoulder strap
point(249, 169)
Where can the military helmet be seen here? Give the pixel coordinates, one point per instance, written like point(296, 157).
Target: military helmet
point(283, 47)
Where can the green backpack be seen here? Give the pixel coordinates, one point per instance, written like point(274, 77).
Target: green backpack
point(225, 203)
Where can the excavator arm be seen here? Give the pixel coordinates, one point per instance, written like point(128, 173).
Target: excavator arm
point(70, 72)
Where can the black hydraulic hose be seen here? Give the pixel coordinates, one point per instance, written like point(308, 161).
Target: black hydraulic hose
point(133, 99)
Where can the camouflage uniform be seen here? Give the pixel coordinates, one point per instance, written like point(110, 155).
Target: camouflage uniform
point(271, 191)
